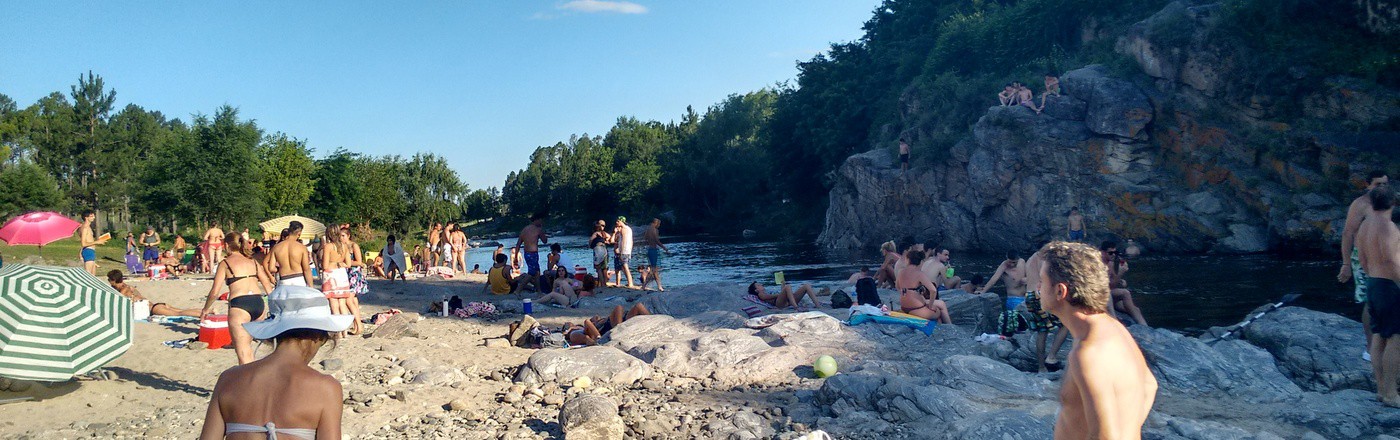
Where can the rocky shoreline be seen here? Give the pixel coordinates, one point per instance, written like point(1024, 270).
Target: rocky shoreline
point(697, 371)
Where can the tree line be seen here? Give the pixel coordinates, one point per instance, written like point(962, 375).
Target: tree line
point(136, 167)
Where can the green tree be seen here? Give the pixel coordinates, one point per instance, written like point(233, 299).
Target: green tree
point(337, 188)
point(431, 190)
point(92, 103)
point(286, 171)
point(28, 187)
point(221, 174)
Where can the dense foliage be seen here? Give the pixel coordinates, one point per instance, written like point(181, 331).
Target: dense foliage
point(137, 167)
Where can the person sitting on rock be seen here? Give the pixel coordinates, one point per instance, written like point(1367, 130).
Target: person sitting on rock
point(917, 294)
point(118, 282)
point(1007, 96)
point(1107, 390)
point(885, 276)
point(1025, 97)
point(1052, 87)
point(786, 297)
point(595, 327)
point(1122, 297)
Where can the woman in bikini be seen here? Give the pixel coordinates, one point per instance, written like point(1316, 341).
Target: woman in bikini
point(243, 277)
point(335, 276)
point(594, 328)
point(918, 295)
point(885, 276)
point(280, 396)
point(118, 282)
point(598, 242)
point(786, 297)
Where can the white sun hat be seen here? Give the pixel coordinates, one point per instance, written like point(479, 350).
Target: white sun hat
point(297, 307)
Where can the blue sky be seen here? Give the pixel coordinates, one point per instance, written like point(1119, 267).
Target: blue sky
point(481, 83)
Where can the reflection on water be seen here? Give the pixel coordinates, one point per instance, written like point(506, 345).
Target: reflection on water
point(1181, 292)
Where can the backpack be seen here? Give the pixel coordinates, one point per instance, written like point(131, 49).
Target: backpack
point(865, 292)
point(454, 304)
point(840, 300)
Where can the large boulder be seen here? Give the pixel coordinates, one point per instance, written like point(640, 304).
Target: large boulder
point(1319, 351)
point(1115, 106)
point(1190, 367)
point(603, 363)
point(697, 299)
point(976, 312)
point(591, 417)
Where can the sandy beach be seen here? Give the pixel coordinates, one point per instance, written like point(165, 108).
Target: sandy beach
point(162, 392)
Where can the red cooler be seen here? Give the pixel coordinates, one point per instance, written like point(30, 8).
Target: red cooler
point(214, 331)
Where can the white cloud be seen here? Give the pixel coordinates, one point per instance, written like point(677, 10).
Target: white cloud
point(615, 7)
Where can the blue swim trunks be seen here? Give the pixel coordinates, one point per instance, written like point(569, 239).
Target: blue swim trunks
point(89, 254)
point(654, 257)
point(1013, 301)
point(1076, 235)
point(532, 263)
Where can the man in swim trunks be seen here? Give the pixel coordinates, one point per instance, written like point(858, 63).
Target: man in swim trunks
point(1351, 259)
point(1378, 241)
point(530, 239)
point(903, 154)
point(1076, 224)
point(290, 260)
point(150, 244)
point(89, 243)
point(1013, 270)
point(214, 247)
point(1042, 322)
point(652, 238)
point(1107, 390)
point(623, 237)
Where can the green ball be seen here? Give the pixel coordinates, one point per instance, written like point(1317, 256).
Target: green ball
point(825, 366)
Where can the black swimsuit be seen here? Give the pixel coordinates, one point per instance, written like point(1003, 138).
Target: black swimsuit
point(252, 303)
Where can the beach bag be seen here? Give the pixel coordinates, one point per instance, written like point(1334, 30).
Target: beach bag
point(454, 304)
point(840, 300)
point(865, 292)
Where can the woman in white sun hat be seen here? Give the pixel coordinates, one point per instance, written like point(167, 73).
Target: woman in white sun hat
point(280, 395)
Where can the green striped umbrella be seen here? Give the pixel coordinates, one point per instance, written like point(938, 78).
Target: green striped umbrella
point(59, 322)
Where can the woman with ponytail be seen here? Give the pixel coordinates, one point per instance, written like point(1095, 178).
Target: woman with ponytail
point(246, 281)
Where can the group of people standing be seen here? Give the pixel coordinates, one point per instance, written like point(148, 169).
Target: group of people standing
point(447, 246)
point(1371, 259)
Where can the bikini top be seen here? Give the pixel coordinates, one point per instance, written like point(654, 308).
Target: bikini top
point(271, 429)
point(230, 280)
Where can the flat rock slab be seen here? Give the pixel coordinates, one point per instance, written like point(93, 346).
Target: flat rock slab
point(603, 363)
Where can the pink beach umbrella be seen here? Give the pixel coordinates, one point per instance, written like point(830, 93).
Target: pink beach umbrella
point(37, 229)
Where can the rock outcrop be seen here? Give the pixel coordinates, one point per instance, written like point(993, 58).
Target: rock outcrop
point(1320, 352)
point(1185, 155)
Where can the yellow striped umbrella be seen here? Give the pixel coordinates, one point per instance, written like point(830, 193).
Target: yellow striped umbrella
point(309, 228)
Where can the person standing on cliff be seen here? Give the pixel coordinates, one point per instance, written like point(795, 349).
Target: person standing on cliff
point(1379, 248)
point(530, 239)
point(904, 155)
point(1076, 224)
point(1107, 391)
point(1351, 259)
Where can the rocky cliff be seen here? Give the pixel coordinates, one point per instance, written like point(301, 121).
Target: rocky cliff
point(1188, 152)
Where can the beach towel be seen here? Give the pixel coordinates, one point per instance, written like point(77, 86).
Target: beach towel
point(753, 311)
point(770, 320)
point(336, 284)
point(158, 319)
point(178, 343)
point(394, 255)
point(904, 319)
point(442, 271)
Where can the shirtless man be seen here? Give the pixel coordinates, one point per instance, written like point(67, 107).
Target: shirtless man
point(1351, 259)
point(1014, 269)
point(1076, 224)
point(290, 260)
point(623, 236)
point(434, 237)
point(941, 256)
point(1122, 297)
point(89, 242)
point(1041, 321)
point(652, 238)
point(1007, 95)
point(1052, 87)
point(1378, 241)
point(903, 155)
point(530, 239)
point(1107, 390)
point(1026, 97)
point(214, 247)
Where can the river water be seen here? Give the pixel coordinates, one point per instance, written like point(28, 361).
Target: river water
point(1188, 293)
